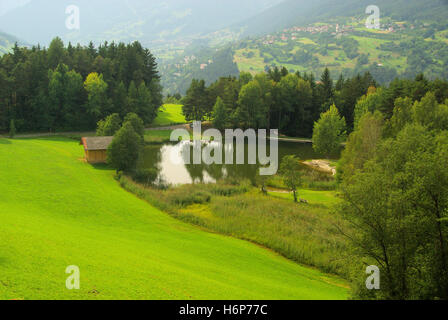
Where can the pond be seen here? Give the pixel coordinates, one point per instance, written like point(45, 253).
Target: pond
point(166, 159)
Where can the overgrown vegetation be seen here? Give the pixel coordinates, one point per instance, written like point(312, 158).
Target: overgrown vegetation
point(395, 190)
point(305, 233)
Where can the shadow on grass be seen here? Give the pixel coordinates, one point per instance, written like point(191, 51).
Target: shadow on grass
point(102, 166)
point(4, 141)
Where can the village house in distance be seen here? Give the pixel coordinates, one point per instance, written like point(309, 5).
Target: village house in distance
point(96, 148)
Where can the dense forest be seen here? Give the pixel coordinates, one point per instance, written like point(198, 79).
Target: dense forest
point(394, 183)
point(72, 88)
point(292, 102)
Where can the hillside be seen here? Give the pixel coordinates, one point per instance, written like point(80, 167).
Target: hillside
point(125, 248)
point(151, 22)
point(303, 12)
point(400, 48)
point(7, 42)
point(312, 36)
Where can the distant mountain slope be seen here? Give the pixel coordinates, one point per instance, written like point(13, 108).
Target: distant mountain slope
point(7, 42)
point(144, 20)
point(302, 12)
point(312, 36)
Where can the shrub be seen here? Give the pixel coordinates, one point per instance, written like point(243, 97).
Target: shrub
point(183, 198)
point(124, 150)
point(225, 190)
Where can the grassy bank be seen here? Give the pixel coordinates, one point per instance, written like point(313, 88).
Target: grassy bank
point(157, 136)
point(169, 114)
point(304, 233)
point(56, 210)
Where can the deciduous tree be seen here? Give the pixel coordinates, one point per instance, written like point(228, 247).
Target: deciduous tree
point(329, 132)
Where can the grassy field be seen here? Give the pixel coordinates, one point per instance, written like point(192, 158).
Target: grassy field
point(157, 136)
point(335, 58)
point(305, 233)
point(56, 210)
point(169, 114)
point(327, 198)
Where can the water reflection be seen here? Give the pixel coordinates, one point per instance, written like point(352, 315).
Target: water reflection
point(170, 159)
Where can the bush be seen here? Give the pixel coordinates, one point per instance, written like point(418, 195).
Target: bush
point(230, 190)
point(183, 198)
point(124, 150)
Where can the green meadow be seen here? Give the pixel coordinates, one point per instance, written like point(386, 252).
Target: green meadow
point(157, 136)
point(56, 211)
point(169, 114)
point(304, 233)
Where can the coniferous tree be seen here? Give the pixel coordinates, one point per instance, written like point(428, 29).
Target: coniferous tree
point(43, 89)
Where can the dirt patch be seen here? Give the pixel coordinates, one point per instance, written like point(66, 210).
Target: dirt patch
point(321, 165)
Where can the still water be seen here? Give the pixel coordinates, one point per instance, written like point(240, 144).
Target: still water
point(175, 173)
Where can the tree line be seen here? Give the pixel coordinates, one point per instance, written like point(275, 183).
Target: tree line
point(290, 102)
point(394, 181)
point(73, 87)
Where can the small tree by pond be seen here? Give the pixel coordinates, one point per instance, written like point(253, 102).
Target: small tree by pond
point(291, 174)
point(124, 150)
point(137, 124)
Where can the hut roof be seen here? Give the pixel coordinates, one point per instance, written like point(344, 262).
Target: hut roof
point(96, 143)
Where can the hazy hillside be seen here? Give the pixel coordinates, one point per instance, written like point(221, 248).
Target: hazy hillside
point(302, 12)
point(7, 42)
point(312, 36)
point(147, 21)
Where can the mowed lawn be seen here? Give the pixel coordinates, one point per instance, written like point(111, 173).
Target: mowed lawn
point(169, 114)
point(56, 211)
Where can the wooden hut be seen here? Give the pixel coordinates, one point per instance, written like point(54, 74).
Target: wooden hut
point(96, 148)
